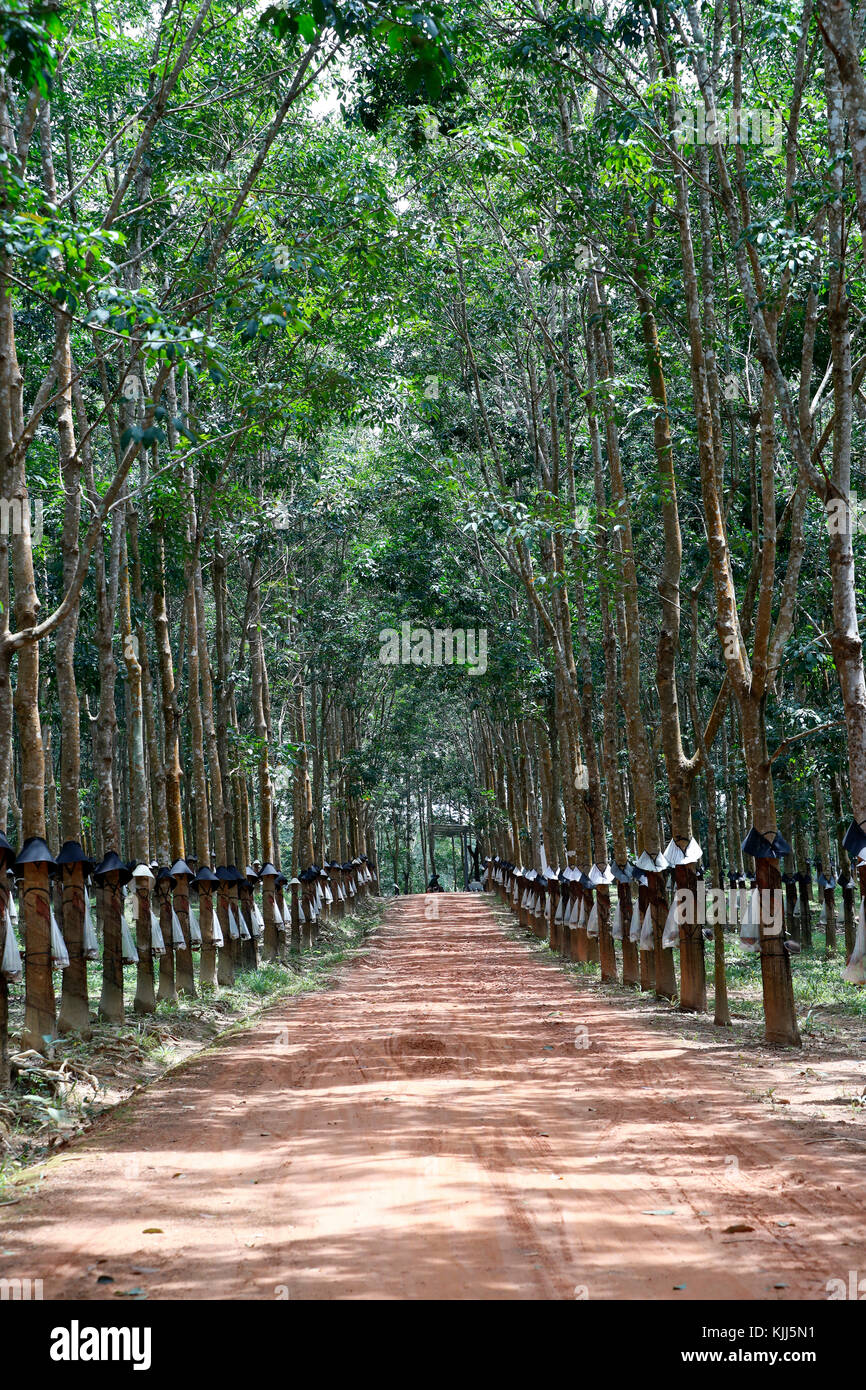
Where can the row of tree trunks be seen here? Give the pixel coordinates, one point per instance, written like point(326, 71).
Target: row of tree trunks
point(176, 975)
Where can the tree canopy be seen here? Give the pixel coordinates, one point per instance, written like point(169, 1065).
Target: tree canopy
point(533, 325)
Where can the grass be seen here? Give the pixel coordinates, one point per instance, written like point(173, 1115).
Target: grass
point(820, 993)
point(827, 1006)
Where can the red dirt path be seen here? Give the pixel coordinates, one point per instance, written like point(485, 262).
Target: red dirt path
point(429, 1129)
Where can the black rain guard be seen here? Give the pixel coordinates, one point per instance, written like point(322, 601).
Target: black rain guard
point(112, 864)
point(35, 851)
point(855, 839)
point(759, 847)
point(72, 854)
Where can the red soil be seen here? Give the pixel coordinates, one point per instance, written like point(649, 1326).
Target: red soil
point(456, 1120)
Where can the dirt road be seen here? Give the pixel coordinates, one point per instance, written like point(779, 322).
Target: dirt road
point(456, 1120)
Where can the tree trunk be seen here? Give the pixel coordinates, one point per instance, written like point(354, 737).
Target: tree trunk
point(74, 1003)
point(111, 999)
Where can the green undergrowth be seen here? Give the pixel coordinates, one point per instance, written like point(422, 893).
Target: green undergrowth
point(820, 993)
point(828, 1008)
point(53, 1098)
